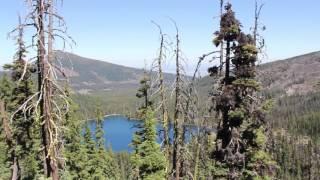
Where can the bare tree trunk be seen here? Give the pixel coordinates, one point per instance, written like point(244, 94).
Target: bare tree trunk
point(177, 115)
point(257, 12)
point(40, 63)
point(46, 90)
point(196, 164)
point(221, 43)
point(164, 109)
point(227, 73)
point(15, 169)
point(49, 93)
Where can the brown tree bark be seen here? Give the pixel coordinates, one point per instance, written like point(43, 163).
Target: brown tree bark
point(45, 88)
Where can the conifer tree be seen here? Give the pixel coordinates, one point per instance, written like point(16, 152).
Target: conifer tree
point(7, 161)
point(90, 150)
point(144, 91)
point(241, 141)
point(23, 121)
point(148, 161)
point(99, 133)
point(148, 157)
point(105, 165)
point(74, 147)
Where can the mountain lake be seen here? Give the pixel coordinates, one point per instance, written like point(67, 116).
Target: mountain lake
point(119, 130)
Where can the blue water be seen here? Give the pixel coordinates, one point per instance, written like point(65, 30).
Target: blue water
point(118, 132)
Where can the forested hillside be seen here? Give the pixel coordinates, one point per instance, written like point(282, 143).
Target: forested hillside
point(292, 76)
point(242, 121)
point(91, 75)
point(93, 81)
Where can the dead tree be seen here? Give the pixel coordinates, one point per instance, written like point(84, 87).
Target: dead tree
point(178, 111)
point(51, 102)
point(191, 115)
point(257, 12)
point(221, 43)
point(162, 92)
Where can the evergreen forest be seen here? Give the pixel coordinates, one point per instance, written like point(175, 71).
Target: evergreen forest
point(245, 127)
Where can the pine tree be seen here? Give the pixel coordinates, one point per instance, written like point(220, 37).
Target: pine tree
point(23, 124)
point(105, 165)
point(74, 148)
point(241, 141)
point(147, 160)
point(148, 157)
point(5, 134)
point(90, 149)
point(6, 87)
point(99, 133)
point(144, 91)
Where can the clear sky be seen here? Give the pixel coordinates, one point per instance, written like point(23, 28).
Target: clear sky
point(120, 31)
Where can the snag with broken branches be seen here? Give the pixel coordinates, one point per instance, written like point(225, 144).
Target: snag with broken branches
point(179, 106)
point(161, 91)
point(49, 101)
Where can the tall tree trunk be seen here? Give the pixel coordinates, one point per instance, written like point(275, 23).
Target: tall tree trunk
point(15, 168)
point(196, 163)
point(40, 62)
point(177, 115)
point(49, 92)
point(256, 18)
point(257, 12)
point(221, 43)
point(227, 73)
point(164, 110)
point(46, 89)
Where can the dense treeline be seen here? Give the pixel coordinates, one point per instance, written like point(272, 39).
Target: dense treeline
point(295, 138)
point(45, 132)
point(299, 114)
point(115, 102)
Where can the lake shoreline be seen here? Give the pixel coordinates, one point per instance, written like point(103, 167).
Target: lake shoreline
point(115, 115)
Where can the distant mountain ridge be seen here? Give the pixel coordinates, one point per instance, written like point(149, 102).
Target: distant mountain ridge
point(298, 74)
point(89, 74)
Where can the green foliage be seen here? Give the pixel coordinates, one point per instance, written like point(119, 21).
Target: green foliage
point(75, 150)
point(24, 126)
point(99, 133)
point(295, 137)
point(6, 87)
point(121, 101)
point(87, 157)
point(5, 171)
point(236, 116)
point(124, 163)
point(296, 156)
point(299, 114)
point(147, 160)
point(260, 138)
point(230, 26)
point(143, 91)
point(247, 83)
point(25, 141)
point(241, 141)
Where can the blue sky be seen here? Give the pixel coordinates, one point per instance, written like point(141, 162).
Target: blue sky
point(120, 31)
